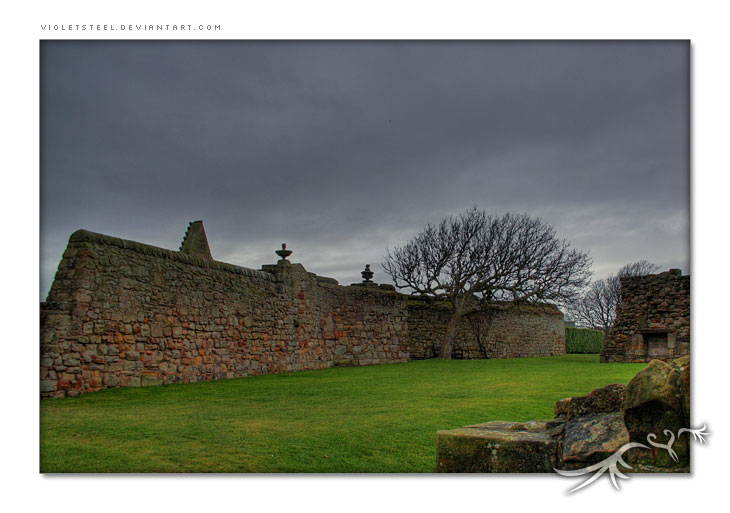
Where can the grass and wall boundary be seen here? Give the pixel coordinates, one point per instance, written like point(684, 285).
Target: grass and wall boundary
point(378, 418)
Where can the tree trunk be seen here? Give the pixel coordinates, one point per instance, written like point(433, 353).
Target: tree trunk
point(447, 346)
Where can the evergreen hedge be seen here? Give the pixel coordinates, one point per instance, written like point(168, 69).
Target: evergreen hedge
point(583, 341)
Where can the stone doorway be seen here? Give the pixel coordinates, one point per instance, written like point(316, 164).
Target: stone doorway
point(656, 345)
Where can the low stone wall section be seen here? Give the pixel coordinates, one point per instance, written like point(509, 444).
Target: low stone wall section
point(497, 331)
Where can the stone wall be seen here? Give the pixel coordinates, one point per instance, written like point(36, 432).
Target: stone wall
point(499, 331)
point(121, 313)
point(653, 320)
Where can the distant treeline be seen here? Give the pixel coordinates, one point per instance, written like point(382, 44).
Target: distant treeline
point(583, 341)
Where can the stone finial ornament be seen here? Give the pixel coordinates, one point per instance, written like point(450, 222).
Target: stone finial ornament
point(283, 252)
point(367, 274)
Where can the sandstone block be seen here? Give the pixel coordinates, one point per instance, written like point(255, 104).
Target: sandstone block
point(497, 447)
point(653, 405)
point(151, 380)
point(656, 382)
point(48, 385)
point(70, 361)
point(111, 380)
point(602, 400)
point(594, 437)
point(157, 330)
point(129, 381)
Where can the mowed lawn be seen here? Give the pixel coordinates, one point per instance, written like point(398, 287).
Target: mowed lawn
point(360, 419)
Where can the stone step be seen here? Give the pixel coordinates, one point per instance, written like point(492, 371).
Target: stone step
point(497, 446)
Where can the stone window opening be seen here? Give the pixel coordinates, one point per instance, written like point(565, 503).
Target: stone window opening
point(656, 344)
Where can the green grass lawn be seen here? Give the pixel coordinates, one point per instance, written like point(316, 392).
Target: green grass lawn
point(364, 419)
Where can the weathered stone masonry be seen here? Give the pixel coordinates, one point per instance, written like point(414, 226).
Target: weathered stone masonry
point(653, 321)
point(122, 313)
point(499, 331)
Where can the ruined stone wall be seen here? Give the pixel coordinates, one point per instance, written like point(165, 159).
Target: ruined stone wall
point(653, 320)
point(121, 313)
point(500, 331)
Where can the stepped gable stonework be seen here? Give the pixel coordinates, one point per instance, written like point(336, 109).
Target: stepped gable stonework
point(653, 320)
point(121, 313)
point(195, 242)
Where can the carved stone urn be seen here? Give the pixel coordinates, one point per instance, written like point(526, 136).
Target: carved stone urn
point(367, 274)
point(283, 253)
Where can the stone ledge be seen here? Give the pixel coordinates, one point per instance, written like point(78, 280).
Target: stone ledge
point(428, 302)
point(497, 446)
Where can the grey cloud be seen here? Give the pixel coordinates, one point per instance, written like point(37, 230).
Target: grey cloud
point(343, 148)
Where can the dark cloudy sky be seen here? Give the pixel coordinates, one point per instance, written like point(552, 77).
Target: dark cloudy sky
point(342, 149)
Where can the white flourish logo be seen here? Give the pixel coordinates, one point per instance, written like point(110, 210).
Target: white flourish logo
point(611, 463)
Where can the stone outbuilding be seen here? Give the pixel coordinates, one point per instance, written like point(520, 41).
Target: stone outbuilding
point(653, 320)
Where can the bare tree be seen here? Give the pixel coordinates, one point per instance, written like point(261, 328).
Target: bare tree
point(475, 258)
point(640, 268)
point(598, 306)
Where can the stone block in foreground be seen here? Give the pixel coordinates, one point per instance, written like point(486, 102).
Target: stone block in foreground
point(657, 401)
point(497, 446)
point(592, 438)
point(585, 430)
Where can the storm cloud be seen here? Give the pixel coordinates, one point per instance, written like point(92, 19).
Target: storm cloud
point(341, 149)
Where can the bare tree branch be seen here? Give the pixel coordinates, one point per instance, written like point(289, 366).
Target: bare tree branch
point(477, 258)
point(598, 306)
